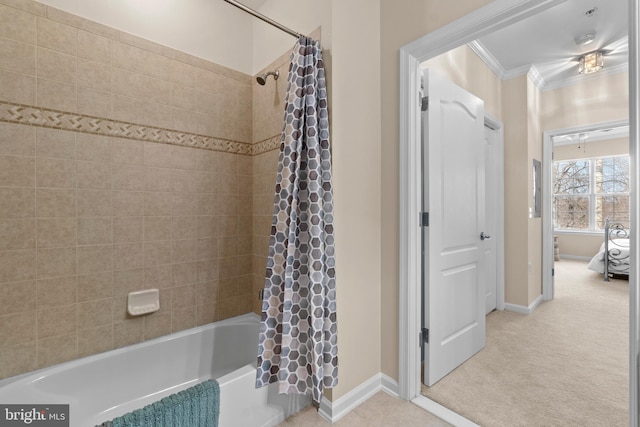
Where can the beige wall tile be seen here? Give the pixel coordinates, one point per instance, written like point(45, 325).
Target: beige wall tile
point(128, 256)
point(158, 276)
point(57, 321)
point(127, 109)
point(208, 271)
point(94, 148)
point(18, 202)
point(227, 308)
point(17, 266)
point(93, 102)
point(158, 179)
point(19, 358)
point(128, 203)
point(17, 171)
point(184, 74)
point(17, 25)
point(140, 86)
point(228, 246)
point(94, 47)
point(57, 66)
point(158, 155)
point(55, 143)
point(207, 293)
point(95, 259)
point(207, 102)
point(17, 297)
point(227, 288)
point(57, 291)
point(56, 36)
point(207, 249)
point(19, 88)
point(128, 332)
point(56, 232)
point(207, 226)
point(17, 57)
point(95, 340)
point(157, 325)
point(95, 286)
point(127, 151)
point(94, 175)
point(208, 81)
point(183, 318)
point(94, 203)
point(95, 313)
point(17, 234)
point(57, 349)
point(57, 95)
point(94, 75)
point(56, 262)
point(157, 253)
point(128, 177)
point(185, 227)
point(17, 328)
point(183, 97)
point(157, 228)
point(183, 297)
point(128, 229)
point(158, 204)
point(17, 140)
point(55, 203)
point(206, 314)
point(157, 115)
point(183, 120)
point(95, 231)
point(184, 250)
point(184, 273)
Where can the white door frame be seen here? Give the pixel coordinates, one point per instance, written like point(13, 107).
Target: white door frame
point(497, 126)
point(495, 15)
point(547, 197)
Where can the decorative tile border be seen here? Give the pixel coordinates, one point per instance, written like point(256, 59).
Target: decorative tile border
point(266, 145)
point(37, 116)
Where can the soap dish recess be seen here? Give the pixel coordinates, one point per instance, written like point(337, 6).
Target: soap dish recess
point(143, 302)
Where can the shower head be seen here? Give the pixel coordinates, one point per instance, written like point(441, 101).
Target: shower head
point(262, 78)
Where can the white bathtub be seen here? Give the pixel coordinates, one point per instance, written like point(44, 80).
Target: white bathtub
point(107, 385)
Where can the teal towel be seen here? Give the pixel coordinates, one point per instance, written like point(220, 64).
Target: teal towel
point(198, 406)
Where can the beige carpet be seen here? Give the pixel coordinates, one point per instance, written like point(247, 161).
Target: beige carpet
point(566, 364)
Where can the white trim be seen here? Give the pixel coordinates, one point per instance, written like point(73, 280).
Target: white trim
point(580, 78)
point(634, 153)
point(333, 411)
point(497, 125)
point(489, 60)
point(495, 15)
point(443, 413)
point(522, 309)
point(575, 257)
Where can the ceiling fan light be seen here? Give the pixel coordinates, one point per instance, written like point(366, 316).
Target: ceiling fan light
point(591, 62)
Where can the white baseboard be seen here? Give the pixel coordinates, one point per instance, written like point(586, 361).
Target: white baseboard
point(522, 309)
point(333, 411)
point(443, 413)
point(576, 257)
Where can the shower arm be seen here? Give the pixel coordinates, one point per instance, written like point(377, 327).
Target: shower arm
point(264, 18)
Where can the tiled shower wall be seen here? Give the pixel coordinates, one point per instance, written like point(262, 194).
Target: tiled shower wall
point(101, 192)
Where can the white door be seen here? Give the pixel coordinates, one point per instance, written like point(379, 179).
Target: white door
point(491, 215)
point(454, 306)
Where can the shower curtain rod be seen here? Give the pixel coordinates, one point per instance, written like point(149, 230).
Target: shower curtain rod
point(264, 18)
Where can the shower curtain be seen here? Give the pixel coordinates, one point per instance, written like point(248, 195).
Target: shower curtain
point(298, 334)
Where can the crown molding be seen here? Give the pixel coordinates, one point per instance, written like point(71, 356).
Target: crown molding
point(490, 61)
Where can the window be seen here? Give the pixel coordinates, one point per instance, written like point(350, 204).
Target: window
point(587, 191)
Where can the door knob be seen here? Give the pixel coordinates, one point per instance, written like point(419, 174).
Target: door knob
point(484, 236)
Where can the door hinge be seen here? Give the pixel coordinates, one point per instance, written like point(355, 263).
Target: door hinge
point(553, 272)
point(424, 219)
point(424, 103)
point(425, 335)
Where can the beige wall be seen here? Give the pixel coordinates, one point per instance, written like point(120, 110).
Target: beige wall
point(357, 195)
point(464, 68)
point(517, 167)
point(534, 237)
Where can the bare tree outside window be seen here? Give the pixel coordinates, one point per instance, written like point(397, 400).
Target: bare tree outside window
point(587, 191)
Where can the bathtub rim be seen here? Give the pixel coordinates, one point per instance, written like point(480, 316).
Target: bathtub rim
point(53, 369)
